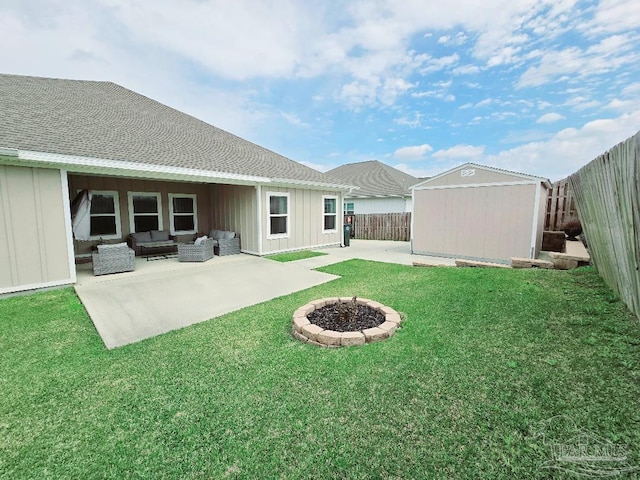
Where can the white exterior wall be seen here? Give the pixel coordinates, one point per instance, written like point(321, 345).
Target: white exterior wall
point(305, 221)
point(235, 208)
point(380, 205)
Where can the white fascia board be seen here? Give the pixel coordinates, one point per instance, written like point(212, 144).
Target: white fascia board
point(362, 197)
point(103, 166)
point(92, 165)
point(285, 182)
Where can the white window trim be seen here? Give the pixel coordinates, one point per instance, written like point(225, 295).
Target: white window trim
point(345, 209)
point(171, 213)
point(334, 198)
point(130, 195)
point(116, 207)
point(271, 236)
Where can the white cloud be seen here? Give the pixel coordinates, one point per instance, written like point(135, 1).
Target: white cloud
point(569, 149)
point(293, 119)
point(419, 172)
point(550, 118)
point(580, 103)
point(485, 102)
point(416, 152)
point(614, 16)
point(466, 70)
point(436, 64)
point(558, 65)
point(439, 94)
point(410, 122)
point(460, 151)
point(456, 40)
point(321, 167)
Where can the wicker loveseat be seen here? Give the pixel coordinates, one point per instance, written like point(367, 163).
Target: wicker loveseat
point(161, 241)
point(226, 243)
point(113, 259)
point(199, 251)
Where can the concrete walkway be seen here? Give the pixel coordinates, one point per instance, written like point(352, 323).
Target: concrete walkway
point(164, 295)
point(375, 250)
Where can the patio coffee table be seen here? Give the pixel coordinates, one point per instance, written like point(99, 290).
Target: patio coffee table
point(153, 252)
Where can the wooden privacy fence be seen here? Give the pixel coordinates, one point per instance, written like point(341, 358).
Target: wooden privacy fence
point(607, 194)
point(382, 226)
point(560, 205)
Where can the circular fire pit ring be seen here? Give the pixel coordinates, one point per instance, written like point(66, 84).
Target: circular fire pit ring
point(307, 332)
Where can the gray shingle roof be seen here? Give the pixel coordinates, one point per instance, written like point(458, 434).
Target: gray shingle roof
point(104, 120)
point(374, 179)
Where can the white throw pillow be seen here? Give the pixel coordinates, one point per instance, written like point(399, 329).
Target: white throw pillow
point(199, 240)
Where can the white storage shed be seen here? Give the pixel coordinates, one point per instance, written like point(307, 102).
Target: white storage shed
point(479, 213)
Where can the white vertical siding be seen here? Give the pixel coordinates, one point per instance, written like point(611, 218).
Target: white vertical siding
point(380, 205)
point(34, 240)
point(485, 222)
point(235, 208)
point(306, 221)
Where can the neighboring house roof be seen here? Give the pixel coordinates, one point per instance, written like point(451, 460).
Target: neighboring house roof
point(375, 179)
point(102, 120)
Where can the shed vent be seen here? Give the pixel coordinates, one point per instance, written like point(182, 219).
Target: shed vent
point(468, 173)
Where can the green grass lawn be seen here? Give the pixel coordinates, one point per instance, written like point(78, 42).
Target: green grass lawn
point(483, 358)
point(293, 256)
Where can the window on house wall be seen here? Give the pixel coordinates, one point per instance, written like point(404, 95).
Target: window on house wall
point(145, 211)
point(330, 216)
point(183, 213)
point(104, 215)
point(278, 215)
point(349, 208)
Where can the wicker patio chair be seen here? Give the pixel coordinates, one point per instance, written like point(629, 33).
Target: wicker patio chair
point(192, 252)
point(113, 259)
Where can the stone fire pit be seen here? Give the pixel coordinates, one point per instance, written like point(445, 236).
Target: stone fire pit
point(307, 332)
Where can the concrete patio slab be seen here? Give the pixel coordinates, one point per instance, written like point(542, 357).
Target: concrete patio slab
point(167, 295)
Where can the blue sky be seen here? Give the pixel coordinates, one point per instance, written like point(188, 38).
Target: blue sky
point(540, 87)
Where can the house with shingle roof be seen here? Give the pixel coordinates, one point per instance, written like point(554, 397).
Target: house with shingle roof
point(381, 188)
point(146, 165)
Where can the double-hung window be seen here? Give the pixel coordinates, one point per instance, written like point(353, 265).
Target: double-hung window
point(278, 215)
point(183, 213)
point(330, 214)
point(104, 215)
point(145, 211)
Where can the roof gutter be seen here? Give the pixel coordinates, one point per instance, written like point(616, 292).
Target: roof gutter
point(307, 183)
point(79, 164)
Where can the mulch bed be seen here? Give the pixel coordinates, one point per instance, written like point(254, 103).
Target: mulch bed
point(328, 317)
